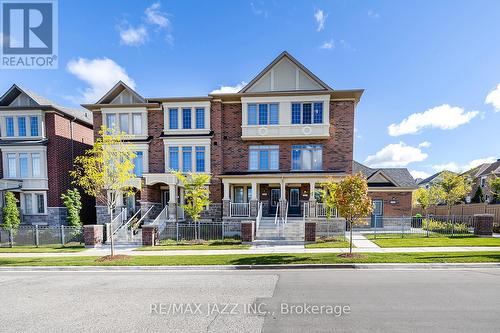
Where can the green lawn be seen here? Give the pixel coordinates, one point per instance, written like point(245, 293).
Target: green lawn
point(42, 249)
point(226, 244)
point(260, 259)
point(411, 240)
point(329, 242)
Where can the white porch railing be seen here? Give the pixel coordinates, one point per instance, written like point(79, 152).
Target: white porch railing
point(163, 216)
point(239, 209)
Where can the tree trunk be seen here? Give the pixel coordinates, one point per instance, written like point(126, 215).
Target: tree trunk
point(111, 234)
point(350, 237)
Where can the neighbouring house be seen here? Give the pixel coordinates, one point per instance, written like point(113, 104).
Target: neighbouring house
point(268, 147)
point(38, 143)
point(431, 180)
point(480, 177)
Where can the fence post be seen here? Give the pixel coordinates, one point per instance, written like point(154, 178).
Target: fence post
point(36, 235)
point(177, 232)
point(62, 235)
point(403, 226)
point(452, 226)
point(11, 238)
point(427, 225)
point(223, 231)
point(375, 229)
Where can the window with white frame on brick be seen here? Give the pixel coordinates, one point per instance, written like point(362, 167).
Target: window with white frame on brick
point(263, 158)
point(21, 126)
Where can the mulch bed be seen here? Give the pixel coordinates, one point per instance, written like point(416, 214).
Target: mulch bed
point(112, 258)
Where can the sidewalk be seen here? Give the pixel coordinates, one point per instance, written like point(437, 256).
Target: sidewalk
point(267, 250)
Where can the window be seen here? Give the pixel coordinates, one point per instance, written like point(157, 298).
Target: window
point(23, 165)
point(35, 164)
point(307, 157)
point(268, 114)
point(173, 118)
point(9, 125)
point(318, 113)
point(137, 123)
point(138, 163)
point(483, 181)
point(111, 120)
point(124, 122)
point(200, 159)
point(295, 113)
point(252, 114)
point(34, 126)
point(40, 203)
point(263, 158)
point(200, 118)
point(173, 156)
point(239, 194)
point(307, 113)
point(21, 126)
point(186, 159)
point(28, 205)
point(11, 165)
point(186, 118)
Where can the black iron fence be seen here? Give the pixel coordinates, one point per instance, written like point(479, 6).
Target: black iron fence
point(40, 236)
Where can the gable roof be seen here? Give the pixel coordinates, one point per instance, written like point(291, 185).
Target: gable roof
point(278, 59)
point(117, 89)
point(400, 177)
point(431, 178)
point(42, 102)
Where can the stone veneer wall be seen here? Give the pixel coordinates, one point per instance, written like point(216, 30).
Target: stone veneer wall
point(56, 216)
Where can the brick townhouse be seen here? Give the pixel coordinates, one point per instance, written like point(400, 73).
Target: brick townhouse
point(38, 143)
point(267, 147)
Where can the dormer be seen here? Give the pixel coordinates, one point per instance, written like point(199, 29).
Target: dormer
point(285, 101)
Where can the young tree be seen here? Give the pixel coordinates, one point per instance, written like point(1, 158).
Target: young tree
point(478, 196)
point(328, 196)
point(426, 197)
point(196, 194)
point(105, 171)
point(11, 219)
point(454, 189)
point(73, 203)
point(350, 197)
point(495, 188)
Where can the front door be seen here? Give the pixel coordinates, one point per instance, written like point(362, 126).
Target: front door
point(294, 201)
point(165, 197)
point(377, 214)
point(274, 199)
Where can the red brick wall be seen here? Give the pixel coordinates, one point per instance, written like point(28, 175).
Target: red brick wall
point(402, 207)
point(156, 147)
point(337, 150)
point(216, 151)
point(61, 151)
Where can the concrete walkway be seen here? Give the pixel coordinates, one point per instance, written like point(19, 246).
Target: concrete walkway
point(360, 241)
point(268, 250)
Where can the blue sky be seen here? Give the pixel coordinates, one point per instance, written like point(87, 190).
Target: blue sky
point(430, 69)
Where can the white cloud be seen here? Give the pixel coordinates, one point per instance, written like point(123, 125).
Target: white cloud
point(328, 45)
point(155, 17)
point(320, 17)
point(455, 167)
point(493, 98)
point(445, 117)
point(416, 174)
point(396, 155)
point(425, 144)
point(229, 89)
point(373, 14)
point(133, 36)
point(100, 74)
point(258, 9)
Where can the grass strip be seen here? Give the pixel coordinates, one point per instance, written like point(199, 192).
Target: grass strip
point(42, 249)
point(390, 240)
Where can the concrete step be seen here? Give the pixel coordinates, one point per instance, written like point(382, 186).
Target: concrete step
point(276, 242)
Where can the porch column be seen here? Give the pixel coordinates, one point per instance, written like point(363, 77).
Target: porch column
point(172, 201)
point(312, 199)
point(226, 200)
point(282, 202)
point(254, 202)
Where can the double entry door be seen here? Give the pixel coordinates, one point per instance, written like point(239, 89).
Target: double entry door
point(292, 196)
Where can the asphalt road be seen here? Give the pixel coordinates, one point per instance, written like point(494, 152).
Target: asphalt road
point(252, 301)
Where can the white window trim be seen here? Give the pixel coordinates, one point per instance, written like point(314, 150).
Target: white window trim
point(144, 148)
point(130, 111)
point(26, 114)
point(193, 143)
point(25, 150)
point(483, 179)
point(34, 203)
point(186, 105)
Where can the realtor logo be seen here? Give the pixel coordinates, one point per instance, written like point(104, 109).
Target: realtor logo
point(29, 34)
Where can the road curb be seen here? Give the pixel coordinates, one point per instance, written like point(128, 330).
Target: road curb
point(394, 266)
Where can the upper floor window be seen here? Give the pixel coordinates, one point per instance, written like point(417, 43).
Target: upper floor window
point(263, 114)
point(138, 163)
point(187, 159)
point(186, 118)
point(173, 157)
point(9, 125)
point(308, 157)
point(307, 113)
point(34, 126)
point(483, 181)
point(137, 123)
point(173, 119)
point(200, 159)
point(18, 165)
point(124, 122)
point(11, 165)
point(200, 118)
point(262, 158)
point(128, 123)
point(111, 120)
point(21, 126)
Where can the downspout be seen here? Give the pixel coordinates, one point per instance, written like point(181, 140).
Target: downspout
point(72, 142)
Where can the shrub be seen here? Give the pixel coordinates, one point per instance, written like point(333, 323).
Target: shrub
point(10, 212)
point(418, 215)
point(73, 203)
point(444, 227)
